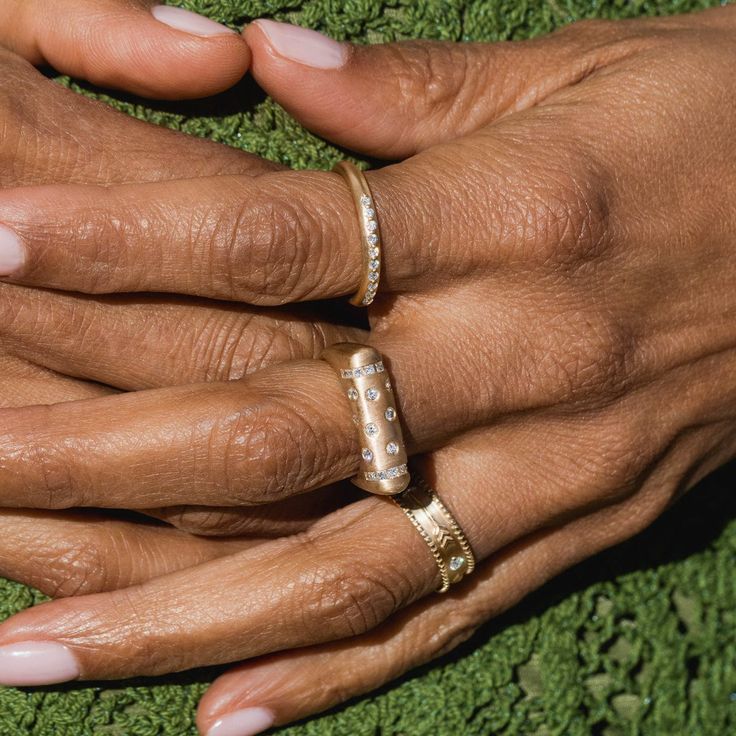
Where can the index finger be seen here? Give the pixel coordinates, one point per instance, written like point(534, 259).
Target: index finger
point(270, 239)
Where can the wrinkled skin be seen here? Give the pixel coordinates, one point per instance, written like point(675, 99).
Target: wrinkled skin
point(51, 135)
point(557, 310)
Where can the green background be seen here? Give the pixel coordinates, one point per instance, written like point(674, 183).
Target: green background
point(640, 640)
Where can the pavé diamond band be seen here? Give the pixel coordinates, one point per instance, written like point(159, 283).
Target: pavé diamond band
point(439, 529)
point(367, 386)
point(370, 232)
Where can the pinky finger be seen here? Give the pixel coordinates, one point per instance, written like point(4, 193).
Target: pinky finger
point(283, 687)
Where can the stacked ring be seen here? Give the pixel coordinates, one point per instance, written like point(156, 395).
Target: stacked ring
point(370, 233)
point(367, 385)
point(439, 529)
point(384, 466)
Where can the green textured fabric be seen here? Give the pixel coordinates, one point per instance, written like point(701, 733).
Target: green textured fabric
point(640, 640)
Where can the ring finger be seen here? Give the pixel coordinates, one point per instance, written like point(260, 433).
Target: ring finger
point(278, 432)
point(22, 383)
point(349, 572)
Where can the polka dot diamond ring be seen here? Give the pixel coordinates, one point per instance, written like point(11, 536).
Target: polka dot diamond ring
point(367, 386)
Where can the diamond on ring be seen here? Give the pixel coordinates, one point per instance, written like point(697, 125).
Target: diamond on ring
point(456, 563)
point(370, 236)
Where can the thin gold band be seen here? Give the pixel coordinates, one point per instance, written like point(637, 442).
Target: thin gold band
point(370, 234)
point(439, 529)
point(367, 385)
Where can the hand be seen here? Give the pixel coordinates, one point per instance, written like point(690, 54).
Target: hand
point(86, 142)
point(152, 50)
point(518, 251)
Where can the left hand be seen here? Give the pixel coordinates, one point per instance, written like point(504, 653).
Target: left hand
point(549, 289)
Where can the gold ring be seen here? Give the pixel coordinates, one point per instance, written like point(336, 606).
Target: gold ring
point(367, 385)
point(439, 529)
point(370, 232)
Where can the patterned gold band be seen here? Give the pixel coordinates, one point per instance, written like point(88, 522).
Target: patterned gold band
point(370, 233)
point(367, 386)
point(439, 529)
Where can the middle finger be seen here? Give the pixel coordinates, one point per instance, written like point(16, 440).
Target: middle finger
point(278, 432)
point(228, 444)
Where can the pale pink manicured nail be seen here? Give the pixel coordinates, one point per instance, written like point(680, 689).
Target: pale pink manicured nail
point(12, 252)
point(304, 45)
point(36, 663)
point(243, 723)
point(185, 20)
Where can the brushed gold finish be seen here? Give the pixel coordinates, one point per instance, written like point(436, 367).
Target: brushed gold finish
point(367, 386)
point(370, 234)
point(439, 529)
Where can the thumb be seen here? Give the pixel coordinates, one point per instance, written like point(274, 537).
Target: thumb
point(136, 45)
point(392, 100)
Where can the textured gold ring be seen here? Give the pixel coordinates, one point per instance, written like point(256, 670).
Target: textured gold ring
point(367, 386)
point(439, 529)
point(370, 234)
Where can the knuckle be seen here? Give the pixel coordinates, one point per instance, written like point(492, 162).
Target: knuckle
point(107, 232)
point(345, 604)
point(589, 357)
point(102, 233)
point(219, 348)
point(126, 625)
point(208, 522)
point(14, 310)
point(74, 568)
point(614, 468)
point(275, 445)
point(270, 246)
point(44, 470)
point(350, 595)
point(570, 218)
point(229, 347)
point(587, 26)
point(432, 72)
point(18, 132)
point(330, 691)
point(449, 634)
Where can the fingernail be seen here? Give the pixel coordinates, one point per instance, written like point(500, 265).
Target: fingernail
point(12, 253)
point(185, 20)
point(36, 663)
point(243, 723)
point(304, 45)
